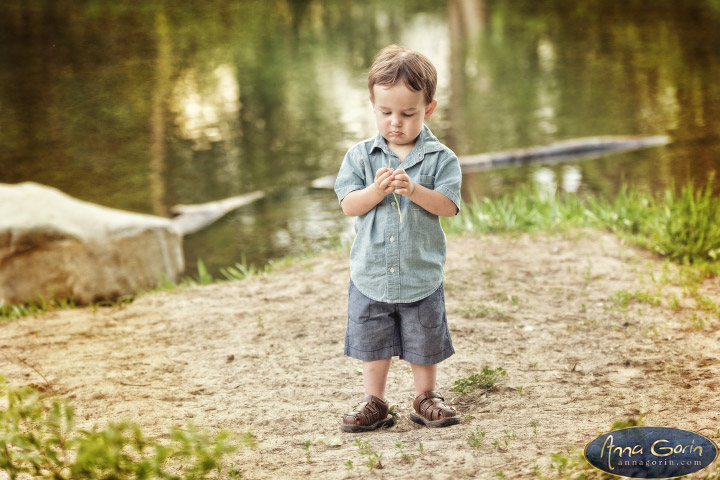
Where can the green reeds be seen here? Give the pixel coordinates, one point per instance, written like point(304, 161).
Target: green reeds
point(688, 225)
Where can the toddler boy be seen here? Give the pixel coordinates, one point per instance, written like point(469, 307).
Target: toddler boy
point(398, 184)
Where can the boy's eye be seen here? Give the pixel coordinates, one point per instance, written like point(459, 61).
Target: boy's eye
point(408, 115)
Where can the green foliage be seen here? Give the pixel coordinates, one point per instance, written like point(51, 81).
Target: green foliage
point(689, 225)
point(407, 457)
point(638, 421)
point(476, 438)
point(38, 439)
point(486, 380)
point(42, 305)
point(204, 277)
point(240, 271)
point(622, 298)
point(477, 310)
point(372, 457)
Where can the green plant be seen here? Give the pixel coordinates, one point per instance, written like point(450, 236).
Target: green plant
point(476, 438)
point(393, 412)
point(706, 304)
point(404, 457)
point(533, 424)
point(306, 447)
point(482, 310)
point(505, 442)
point(372, 458)
point(486, 380)
point(240, 271)
point(675, 303)
point(43, 305)
point(234, 473)
point(204, 277)
point(38, 439)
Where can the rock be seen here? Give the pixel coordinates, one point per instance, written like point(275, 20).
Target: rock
point(55, 246)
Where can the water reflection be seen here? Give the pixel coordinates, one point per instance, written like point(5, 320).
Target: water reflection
point(143, 107)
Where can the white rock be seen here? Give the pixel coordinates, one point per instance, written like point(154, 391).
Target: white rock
point(55, 246)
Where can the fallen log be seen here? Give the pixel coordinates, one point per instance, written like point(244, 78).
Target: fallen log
point(576, 148)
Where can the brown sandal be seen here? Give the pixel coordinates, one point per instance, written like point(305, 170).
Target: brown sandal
point(433, 412)
point(370, 414)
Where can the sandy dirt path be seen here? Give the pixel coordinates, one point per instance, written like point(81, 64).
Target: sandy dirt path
point(264, 355)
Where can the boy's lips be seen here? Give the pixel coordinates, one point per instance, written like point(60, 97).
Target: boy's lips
point(395, 134)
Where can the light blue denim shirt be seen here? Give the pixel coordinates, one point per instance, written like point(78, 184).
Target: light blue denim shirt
point(390, 261)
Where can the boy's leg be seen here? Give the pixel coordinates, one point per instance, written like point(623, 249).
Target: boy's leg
point(424, 376)
point(429, 406)
point(375, 375)
point(373, 411)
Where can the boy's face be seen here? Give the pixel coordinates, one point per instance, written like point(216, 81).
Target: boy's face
point(399, 113)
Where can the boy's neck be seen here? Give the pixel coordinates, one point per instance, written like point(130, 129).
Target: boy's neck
point(401, 150)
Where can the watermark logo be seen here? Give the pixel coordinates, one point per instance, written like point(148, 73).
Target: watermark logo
point(651, 452)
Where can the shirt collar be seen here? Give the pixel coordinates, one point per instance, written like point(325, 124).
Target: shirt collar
point(426, 143)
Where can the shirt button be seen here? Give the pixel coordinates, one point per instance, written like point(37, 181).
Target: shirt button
point(392, 239)
point(392, 204)
point(392, 269)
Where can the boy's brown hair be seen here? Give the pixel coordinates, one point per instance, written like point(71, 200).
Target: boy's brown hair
point(394, 64)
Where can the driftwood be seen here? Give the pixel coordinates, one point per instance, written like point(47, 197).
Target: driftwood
point(191, 218)
point(577, 148)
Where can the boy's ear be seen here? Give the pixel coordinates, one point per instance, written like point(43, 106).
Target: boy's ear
point(430, 109)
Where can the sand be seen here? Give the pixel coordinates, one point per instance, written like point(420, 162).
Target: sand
point(264, 355)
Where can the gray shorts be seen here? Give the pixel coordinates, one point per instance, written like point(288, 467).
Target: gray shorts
point(416, 332)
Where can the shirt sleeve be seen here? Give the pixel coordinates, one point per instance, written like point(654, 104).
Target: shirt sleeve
point(448, 177)
point(351, 176)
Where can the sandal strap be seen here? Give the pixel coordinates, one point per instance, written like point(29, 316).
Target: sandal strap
point(432, 406)
point(368, 412)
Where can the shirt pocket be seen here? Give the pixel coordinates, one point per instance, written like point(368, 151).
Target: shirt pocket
point(427, 181)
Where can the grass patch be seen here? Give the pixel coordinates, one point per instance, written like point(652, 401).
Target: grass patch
point(622, 298)
point(39, 440)
point(684, 227)
point(481, 310)
point(486, 380)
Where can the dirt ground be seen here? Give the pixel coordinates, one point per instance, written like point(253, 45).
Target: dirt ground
point(264, 355)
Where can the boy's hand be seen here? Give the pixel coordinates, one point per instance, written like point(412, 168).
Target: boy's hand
point(383, 177)
point(402, 184)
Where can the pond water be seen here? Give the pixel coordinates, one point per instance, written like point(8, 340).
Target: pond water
point(145, 107)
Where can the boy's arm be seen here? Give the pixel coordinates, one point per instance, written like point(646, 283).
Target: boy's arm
point(431, 200)
point(360, 202)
